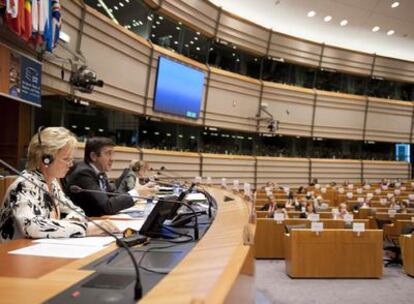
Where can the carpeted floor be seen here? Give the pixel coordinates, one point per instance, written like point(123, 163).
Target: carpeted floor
point(274, 286)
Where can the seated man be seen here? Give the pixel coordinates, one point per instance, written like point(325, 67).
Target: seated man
point(90, 174)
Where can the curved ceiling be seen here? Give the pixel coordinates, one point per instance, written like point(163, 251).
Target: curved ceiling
point(291, 17)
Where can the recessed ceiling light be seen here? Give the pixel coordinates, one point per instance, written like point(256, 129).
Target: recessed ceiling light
point(395, 4)
point(311, 14)
point(343, 22)
point(376, 28)
point(327, 18)
point(390, 32)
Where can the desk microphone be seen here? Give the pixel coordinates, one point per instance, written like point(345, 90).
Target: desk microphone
point(138, 286)
point(77, 189)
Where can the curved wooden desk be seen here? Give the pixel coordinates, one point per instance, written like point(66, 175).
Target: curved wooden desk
point(206, 275)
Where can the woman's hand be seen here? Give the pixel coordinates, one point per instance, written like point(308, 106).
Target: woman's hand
point(93, 230)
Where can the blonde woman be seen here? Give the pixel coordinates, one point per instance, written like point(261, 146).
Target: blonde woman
point(31, 212)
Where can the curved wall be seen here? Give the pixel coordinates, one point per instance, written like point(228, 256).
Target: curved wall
point(256, 170)
point(127, 64)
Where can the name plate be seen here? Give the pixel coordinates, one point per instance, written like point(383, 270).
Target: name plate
point(392, 212)
point(348, 218)
point(358, 227)
point(360, 200)
point(317, 226)
point(279, 217)
point(313, 217)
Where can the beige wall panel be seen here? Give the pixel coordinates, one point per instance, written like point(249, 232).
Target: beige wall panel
point(183, 166)
point(294, 49)
point(195, 13)
point(291, 107)
point(229, 167)
point(243, 33)
point(394, 69)
point(374, 171)
point(232, 103)
point(51, 79)
point(339, 116)
point(153, 75)
point(284, 171)
point(388, 121)
point(346, 61)
point(326, 170)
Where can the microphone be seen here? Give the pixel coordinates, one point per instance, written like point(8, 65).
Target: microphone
point(138, 286)
point(77, 189)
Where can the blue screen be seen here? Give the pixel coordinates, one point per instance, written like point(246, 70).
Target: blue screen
point(178, 89)
point(402, 152)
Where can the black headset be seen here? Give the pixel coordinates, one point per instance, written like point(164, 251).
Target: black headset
point(47, 159)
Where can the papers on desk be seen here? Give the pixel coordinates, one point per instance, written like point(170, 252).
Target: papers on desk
point(75, 248)
point(58, 250)
point(91, 241)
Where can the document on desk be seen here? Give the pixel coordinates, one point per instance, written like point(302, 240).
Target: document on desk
point(90, 241)
point(58, 251)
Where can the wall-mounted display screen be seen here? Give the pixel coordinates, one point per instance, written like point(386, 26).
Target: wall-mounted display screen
point(178, 89)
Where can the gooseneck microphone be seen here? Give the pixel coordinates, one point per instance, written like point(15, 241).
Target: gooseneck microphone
point(77, 189)
point(138, 285)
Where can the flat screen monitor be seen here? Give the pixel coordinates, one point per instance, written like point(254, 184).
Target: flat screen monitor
point(162, 211)
point(178, 89)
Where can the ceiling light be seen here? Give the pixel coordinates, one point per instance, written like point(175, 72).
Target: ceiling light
point(195, 38)
point(157, 22)
point(154, 26)
point(198, 33)
point(343, 22)
point(191, 42)
point(115, 7)
point(327, 18)
point(121, 4)
point(160, 17)
point(311, 14)
point(395, 4)
point(390, 32)
point(176, 42)
point(197, 48)
point(127, 1)
point(178, 28)
point(376, 28)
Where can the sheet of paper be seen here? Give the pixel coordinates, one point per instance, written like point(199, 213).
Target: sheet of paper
point(58, 251)
point(91, 241)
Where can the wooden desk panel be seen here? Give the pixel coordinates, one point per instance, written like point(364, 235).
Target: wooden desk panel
point(407, 253)
point(270, 235)
point(336, 253)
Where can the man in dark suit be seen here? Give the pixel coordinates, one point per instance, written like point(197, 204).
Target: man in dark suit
point(91, 174)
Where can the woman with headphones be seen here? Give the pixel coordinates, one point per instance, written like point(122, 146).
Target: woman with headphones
point(35, 205)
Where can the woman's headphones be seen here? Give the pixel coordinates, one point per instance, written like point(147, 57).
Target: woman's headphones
point(47, 159)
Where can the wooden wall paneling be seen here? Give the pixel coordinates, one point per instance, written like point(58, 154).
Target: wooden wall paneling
point(184, 166)
point(374, 171)
point(346, 61)
point(339, 116)
point(229, 167)
point(282, 170)
point(199, 15)
point(388, 121)
point(291, 106)
point(338, 170)
point(394, 69)
point(243, 33)
point(232, 101)
point(294, 49)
